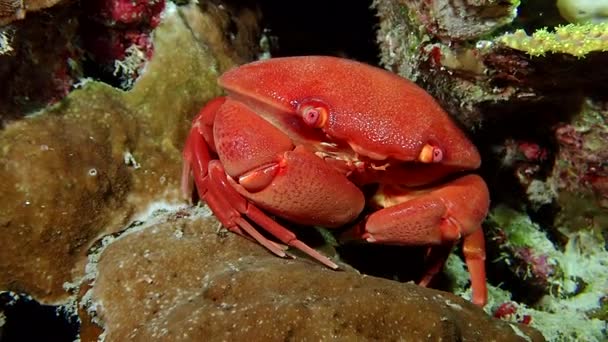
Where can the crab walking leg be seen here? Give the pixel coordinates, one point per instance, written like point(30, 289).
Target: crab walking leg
point(243, 207)
point(435, 259)
point(196, 155)
point(475, 255)
point(198, 146)
point(228, 205)
point(196, 158)
point(439, 218)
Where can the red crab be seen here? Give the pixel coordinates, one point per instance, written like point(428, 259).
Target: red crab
point(298, 137)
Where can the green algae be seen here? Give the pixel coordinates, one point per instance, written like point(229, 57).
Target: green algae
point(520, 230)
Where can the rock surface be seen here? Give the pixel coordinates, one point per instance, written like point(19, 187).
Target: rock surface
point(50, 180)
point(81, 168)
point(11, 10)
point(181, 279)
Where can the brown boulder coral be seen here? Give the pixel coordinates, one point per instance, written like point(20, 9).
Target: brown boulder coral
point(59, 191)
point(180, 279)
point(81, 168)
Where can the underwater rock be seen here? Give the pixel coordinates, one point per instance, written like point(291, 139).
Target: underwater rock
point(11, 10)
point(60, 192)
point(178, 277)
point(441, 45)
point(81, 168)
point(477, 75)
point(38, 61)
point(579, 179)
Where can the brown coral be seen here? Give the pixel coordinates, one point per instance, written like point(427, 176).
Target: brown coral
point(79, 169)
point(11, 10)
point(181, 280)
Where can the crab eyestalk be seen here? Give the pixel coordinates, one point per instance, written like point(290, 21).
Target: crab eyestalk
point(430, 154)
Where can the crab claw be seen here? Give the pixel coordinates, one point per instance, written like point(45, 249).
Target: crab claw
point(437, 217)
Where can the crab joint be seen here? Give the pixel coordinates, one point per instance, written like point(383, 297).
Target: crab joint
point(430, 154)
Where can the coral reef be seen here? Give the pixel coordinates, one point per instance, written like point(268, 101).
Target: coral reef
point(92, 220)
point(474, 76)
point(64, 191)
point(576, 40)
point(580, 173)
point(529, 90)
point(230, 288)
point(566, 318)
point(439, 51)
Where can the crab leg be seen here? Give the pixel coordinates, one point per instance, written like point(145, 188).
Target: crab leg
point(438, 217)
point(226, 203)
point(435, 259)
point(475, 255)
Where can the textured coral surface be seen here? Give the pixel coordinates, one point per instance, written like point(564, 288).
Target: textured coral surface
point(91, 217)
point(530, 89)
point(79, 169)
point(50, 179)
point(182, 279)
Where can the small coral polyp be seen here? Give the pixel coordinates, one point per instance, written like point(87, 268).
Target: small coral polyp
point(573, 39)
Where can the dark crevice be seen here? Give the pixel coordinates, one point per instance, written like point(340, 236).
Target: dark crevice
point(336, 28)
point(28, 320)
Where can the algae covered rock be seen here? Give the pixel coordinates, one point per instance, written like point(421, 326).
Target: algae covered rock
point(179, 278)
point(579, 177)
point(496, 66)
point(530, 91)
point(60, 191)
point(82, 168)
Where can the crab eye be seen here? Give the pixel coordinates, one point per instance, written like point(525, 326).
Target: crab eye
point(314, 114)
point(430, 154)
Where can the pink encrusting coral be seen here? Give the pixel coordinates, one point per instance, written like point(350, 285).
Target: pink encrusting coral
point(508, 311)
point(118, 36)
point(130, 12)
point(536, 265)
